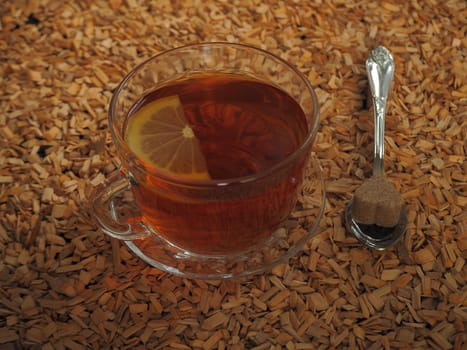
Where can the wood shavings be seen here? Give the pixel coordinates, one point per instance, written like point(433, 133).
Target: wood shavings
point(63, 284)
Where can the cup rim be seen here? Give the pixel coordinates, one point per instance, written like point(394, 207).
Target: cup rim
point(118, 138)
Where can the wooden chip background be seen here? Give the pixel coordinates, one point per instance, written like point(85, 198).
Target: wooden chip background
point(64, 285)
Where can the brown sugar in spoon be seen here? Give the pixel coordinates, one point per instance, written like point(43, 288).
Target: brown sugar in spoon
point(376, 215)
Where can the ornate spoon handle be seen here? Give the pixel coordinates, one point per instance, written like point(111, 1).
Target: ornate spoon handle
point(380, 70)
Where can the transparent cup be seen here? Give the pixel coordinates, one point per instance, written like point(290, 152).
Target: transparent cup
point(212, 228)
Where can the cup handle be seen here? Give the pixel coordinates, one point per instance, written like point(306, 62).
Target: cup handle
point(103, 207)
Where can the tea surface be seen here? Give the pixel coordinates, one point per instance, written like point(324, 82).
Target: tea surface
point(243, 126)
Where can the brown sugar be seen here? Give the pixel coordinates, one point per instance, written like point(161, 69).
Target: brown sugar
point(377, 202)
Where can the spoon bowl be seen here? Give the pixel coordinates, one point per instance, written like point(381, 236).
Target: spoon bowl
point(373, 236)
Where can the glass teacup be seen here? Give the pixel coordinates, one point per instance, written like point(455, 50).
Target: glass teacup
point(251, 118)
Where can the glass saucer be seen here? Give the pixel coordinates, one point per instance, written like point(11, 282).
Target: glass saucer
point(286, 241)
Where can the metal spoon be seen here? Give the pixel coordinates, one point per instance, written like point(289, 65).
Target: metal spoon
point(380, 70)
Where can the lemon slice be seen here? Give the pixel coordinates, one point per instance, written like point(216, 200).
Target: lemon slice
point(159, 134)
